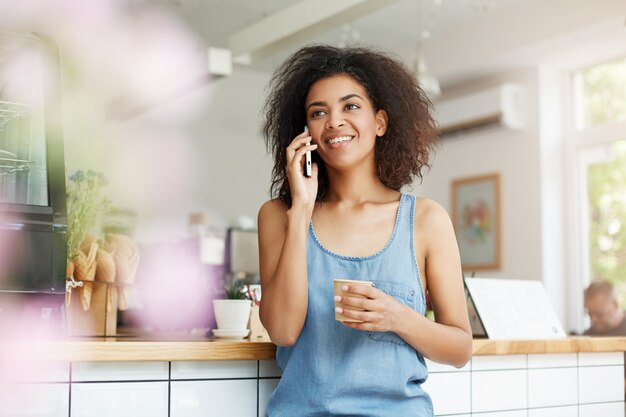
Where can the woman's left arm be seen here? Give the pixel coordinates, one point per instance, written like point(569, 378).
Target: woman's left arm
point(449, 338)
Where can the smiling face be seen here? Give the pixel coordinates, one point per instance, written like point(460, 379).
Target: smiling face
point(343, 122)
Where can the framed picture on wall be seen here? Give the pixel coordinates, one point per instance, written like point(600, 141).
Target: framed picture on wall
point(476, 219)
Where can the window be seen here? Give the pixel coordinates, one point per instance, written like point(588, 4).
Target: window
point(600, 94)
point(598, 147)
point(606, 211)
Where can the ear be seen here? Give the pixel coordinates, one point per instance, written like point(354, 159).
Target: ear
point(382, 120)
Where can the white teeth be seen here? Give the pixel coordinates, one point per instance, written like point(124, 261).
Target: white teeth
point(339, 139)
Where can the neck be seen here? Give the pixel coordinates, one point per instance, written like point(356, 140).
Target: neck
point(356, 185)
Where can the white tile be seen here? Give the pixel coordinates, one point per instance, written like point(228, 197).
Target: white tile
point(236, 398)
point(599, 384)
point(450, 392)
point(488, 362)
point(434, 367)
point(553, 360)
point(510, 413)
point(600, 358)
point(269, 368)
point(571, 411)
point(119, 399)
point(119, 371)
point(41, 372)
point(552, 387)
point(34, 400)
point(499, 390)
point(214, 369)
point(601, 410)
point(266, 388)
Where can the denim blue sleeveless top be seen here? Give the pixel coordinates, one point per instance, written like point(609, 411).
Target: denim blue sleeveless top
point(333, 370)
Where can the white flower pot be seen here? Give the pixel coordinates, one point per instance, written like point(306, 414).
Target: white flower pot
point(232, 314)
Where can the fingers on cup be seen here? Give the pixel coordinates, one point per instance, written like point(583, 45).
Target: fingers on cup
point(360, 316)
point(363, 290)
point(361, 303)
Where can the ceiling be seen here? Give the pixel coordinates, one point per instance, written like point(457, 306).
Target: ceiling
point(469, 39)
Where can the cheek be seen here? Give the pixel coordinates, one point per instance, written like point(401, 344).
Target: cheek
point(315, 127)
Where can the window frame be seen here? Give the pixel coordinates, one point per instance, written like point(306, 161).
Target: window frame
point(577, 142)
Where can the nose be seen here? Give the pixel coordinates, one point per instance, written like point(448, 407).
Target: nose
point(334, 122)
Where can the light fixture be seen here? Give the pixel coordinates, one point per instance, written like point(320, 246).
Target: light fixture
point(427, 80)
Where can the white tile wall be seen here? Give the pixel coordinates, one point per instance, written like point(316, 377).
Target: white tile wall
point(236, 398)
point(512, 413)
point(450, 392)
point(553, 360)
point(491, 386)
point(43, 372)
point(499, 390)
point(214, 369)
point(119, 371)
point(601, 410)
point(266, 388)
point(34, 400)
point(571, 411)
point(269, 368)
point(543, 384)
point(600, 384)
point(490, 362)
point(600, 358)
point(119, 399)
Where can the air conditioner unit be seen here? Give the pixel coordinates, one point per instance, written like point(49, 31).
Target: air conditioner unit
point(500, 106)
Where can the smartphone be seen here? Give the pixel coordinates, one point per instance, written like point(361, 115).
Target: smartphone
point(307, 158)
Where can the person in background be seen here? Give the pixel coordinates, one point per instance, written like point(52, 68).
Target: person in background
point(603, 305)
point(370, 128)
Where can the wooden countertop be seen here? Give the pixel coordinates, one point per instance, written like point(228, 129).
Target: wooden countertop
point(566, 345)
point(189, 348)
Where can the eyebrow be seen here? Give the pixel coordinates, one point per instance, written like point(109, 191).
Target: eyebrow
point(323, 103)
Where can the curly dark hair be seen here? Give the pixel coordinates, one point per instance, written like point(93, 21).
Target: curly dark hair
point(411, 134)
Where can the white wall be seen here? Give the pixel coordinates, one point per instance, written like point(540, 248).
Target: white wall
point(235, 166)
point(513, 154)
point(202, 151)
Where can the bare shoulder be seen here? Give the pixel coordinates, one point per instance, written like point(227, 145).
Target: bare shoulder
point(272, 213)
point(430, 215)
point(273, 207)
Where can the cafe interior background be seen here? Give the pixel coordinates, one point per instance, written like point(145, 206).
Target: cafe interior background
point(164, 98)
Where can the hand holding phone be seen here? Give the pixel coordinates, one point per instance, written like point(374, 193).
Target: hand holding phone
point(307, 159)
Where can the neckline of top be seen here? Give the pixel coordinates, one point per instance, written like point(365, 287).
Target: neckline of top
point(361, 258)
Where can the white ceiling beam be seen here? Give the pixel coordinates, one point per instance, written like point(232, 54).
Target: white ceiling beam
point(297, 24)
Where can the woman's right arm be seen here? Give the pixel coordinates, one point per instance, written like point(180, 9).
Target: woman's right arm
point(283, 269)
point(282, 250)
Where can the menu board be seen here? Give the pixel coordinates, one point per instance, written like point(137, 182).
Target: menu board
point(514, 309)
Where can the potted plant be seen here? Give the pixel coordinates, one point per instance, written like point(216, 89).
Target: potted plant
point(85, 202)
point(232, 313)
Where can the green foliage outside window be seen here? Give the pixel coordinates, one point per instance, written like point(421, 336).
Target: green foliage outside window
point(604, 93)
point(604, 100)
point(606, 188)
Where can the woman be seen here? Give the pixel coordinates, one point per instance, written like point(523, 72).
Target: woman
point(371, 132)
